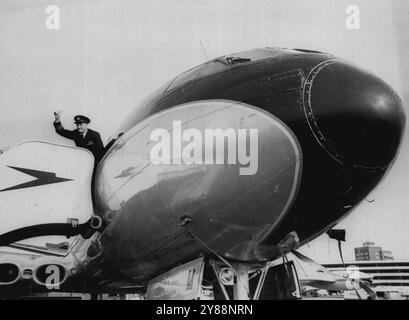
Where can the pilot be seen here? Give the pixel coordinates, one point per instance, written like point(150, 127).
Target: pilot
point(82, 136)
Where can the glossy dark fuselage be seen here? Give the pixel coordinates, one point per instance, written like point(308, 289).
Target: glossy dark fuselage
point(348, 125)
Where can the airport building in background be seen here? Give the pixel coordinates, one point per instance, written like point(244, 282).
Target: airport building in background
point(380, 264)
point(370, 252)
point(389, 273)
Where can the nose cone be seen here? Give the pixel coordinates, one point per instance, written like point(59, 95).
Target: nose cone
point(356, 117)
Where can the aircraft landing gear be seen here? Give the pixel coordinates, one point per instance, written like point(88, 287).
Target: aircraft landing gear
point(241, 285)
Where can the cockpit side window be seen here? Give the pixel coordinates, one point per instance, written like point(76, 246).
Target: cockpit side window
point(213, 67)
point(185, 77)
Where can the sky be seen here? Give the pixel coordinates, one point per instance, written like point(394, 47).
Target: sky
point(106, 56)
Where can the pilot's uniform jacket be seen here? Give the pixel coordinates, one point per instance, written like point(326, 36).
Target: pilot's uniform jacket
point(92, 140)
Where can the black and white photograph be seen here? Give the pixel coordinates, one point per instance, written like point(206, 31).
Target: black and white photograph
point(211, 150)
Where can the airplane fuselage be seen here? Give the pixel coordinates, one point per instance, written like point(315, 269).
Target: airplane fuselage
point(328, 132)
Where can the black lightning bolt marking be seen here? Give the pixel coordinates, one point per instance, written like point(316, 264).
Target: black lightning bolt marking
point(43, 178)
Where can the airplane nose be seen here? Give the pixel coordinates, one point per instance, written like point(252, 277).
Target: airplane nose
point(355, 116)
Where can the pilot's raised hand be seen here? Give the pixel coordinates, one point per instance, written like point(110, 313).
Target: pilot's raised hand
point(57, 115)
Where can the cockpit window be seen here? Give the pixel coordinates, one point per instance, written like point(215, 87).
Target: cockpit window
point(223, 62)
point(185, 77)
point(252, 55)
point(140, 111)
point(307, 51)
point(213, 67)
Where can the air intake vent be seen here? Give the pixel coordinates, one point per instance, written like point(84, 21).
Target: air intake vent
point(9, 273)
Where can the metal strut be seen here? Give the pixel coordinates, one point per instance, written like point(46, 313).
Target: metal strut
point(241, 285)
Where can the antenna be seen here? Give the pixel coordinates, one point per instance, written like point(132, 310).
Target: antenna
point(204, 50)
